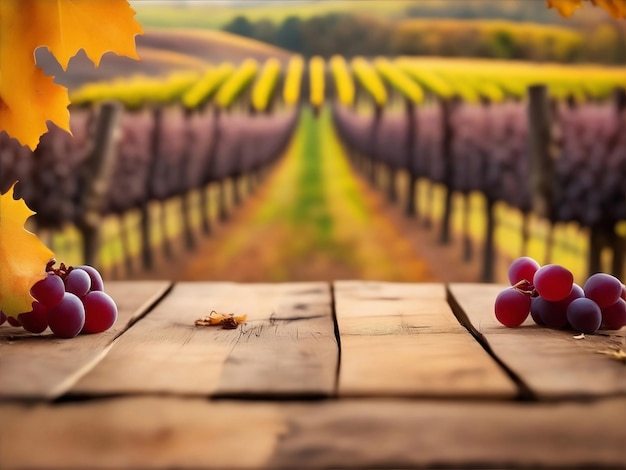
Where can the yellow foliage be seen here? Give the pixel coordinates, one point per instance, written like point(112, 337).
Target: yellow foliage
point(398, 79)
point(263, 88)
point(566, 8)
point(28, 98)
point(23, 257)
point(293, 79)
point(370, 80)
point(343, 80)
point(317, 71)
point(237, 83)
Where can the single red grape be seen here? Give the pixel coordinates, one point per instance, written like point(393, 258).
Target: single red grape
point(584, 315)
point(67, 318)
point(78, 282)
point(49, 291)
point(603, 289)
point(100, 312)
point(96, 278)
point(512, 307)
point(553, 282)
point(523, 268)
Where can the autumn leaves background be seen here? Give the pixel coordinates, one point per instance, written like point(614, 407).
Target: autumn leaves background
point(29, 99)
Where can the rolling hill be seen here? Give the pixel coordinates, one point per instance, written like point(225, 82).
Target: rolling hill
point(162, 51)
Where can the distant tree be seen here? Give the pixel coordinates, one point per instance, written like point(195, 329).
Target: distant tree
point(265, 30)
point(241, 26)
point(289, 35)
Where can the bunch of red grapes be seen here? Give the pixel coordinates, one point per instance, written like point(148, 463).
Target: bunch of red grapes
point(69, 300)
point(549, 294)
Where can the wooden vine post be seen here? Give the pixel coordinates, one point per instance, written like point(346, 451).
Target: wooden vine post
point(603, 235)
point(96, 175)
point(543, 154)
point(209, 170)
point(147, 259)
point(375, 126)
point(541, 149)
point(448, 106)
point(190, 241)
point(409, 159)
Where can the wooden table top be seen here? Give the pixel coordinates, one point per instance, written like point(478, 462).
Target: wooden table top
point(353, 374)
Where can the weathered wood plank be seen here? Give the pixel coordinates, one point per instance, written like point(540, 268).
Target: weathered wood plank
point(287, 346)
point(454, 434)
point(139, 432)
point(174, 432)
point(44, 367)
point(403, 340)
point(551, 363)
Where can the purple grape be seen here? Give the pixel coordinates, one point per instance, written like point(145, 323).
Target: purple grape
point(554, 314)
point(523, 268)
point(67, 318)
point(3, 317)
point(614, 316)
point(94, 275)
point(100, 312)
point(553, 282)
point(603, 289)
point(49, 291)
point(13, 321)
point(512, 307)
point(584, 315)
point(536, 310)
point(36, 320)
point(78, 282)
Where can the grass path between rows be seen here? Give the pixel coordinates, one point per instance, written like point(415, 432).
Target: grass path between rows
point(313, 219)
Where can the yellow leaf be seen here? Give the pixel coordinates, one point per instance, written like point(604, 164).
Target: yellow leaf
point(565, 8)
point(28, 98)
point(23, 257)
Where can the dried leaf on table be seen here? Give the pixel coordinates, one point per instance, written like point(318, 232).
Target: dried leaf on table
point(228, 321)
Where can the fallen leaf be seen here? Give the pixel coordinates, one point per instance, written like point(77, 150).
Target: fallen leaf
point(28, 98)
point(225, 320)
point(23, 257)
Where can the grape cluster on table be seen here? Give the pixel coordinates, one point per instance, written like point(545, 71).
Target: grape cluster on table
point(69, 301)
point(551, 297)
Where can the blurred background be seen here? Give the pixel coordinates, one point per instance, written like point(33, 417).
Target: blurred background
point(431, 140)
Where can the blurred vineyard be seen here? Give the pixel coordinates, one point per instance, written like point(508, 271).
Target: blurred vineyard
point(468, 148)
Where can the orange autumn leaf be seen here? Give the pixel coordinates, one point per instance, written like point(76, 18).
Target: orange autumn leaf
point(23, 257)
point(565, 8)
point(28, 98)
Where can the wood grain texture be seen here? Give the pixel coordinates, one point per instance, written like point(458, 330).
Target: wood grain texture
point(174, 432)
point(140, 432)
point(403, 340)
point(551, 363)
point(455, 434)
point(44, 366)
point(287, 346)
